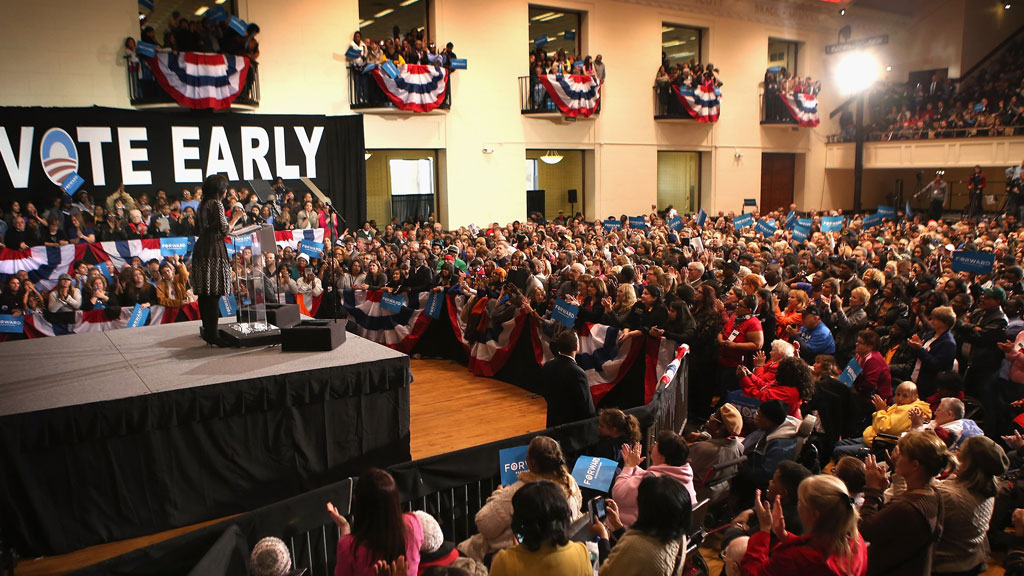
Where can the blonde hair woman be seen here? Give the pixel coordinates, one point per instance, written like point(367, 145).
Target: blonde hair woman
point(830, 544)
point(618, 312)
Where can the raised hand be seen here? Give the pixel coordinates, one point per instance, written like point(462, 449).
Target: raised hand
point(338, 519)
point(759, 358)
point(874, 475)
point(631, 455)
point(778, 520)
point(764, 513)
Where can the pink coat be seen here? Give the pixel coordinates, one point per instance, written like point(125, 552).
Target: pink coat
point(628, 482)
point(355, 560)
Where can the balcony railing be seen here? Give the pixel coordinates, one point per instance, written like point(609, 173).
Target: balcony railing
point(533, 97)
point(910, 134)
point(667, 105)
point(773, 111)
point(143, 89)
point(364, 93)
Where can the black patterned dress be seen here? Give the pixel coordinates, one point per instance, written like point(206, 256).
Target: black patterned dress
point(211, 267)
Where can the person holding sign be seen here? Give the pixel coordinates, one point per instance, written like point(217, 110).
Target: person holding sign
point(668, 458)
point(172, 289)
point(211, 267)
point(565, 384)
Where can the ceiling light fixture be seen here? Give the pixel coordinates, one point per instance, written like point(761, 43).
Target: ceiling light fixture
point(366, 155)
point(888, 68)
point(1007, 6)
point(667, 28)
point(383, 13)
point(552, 17)
point(842, 11)
point(409, 2)
point(221, 1)
point(551, 157)
point(544, 15)
point(202, 10)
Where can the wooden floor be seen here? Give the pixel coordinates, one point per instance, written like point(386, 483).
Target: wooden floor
point(450, 409)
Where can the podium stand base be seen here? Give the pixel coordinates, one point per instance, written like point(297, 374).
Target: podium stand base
point(241, 335)
point(313, 336)
point(280, 315)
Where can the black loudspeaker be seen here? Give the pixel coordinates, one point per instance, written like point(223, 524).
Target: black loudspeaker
point(572, 196)
point(313, 336)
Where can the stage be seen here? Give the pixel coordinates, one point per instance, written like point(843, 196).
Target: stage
point(116, 434)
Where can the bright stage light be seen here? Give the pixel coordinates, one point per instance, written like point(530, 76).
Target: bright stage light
point(856, 71)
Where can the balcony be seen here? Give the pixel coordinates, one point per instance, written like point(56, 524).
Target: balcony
point(667, 105)
point(145, 92)
point(365, 95)
point(924, 154)
point(535, 102)
point(774, 113)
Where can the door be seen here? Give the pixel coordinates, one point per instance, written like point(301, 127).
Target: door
point(777, 181)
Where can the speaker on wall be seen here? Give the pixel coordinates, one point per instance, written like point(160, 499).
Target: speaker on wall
point(572, 196)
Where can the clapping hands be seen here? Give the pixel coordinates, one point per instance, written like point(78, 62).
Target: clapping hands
point(631, 455)
point(874, 474)
point(771, 519)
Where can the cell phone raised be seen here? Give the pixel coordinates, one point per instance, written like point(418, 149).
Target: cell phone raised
point(597, 509)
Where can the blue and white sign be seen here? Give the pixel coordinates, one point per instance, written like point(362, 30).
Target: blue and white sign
point(702, 217)
point(369, 67)
point(434, 304)
point(216, 14)
point(11, 324)
point(173, 246)
point(745, 404)
point(72, 183)
point(594, 472)
point(806, 222)
point(973, 262)
point(743, 220)
point(850, 373)
point(390, 69)
point(392, 302)
point(228, 306)
point(832, 224)
point(766, 228)
point(353, 53)
point(512, 461)
point(147, 4)
point(193, 204)
point(565, 313)
point(145, 50)
point(102, 266)
point(459, 64)
point(887, 212)
point(540, 41)
point(138, 317)
point(570, 35)
point(872, 220)
point(238, 25)
point(790, 220)
point(800, 233)
point(637, 223)
point(750, 202)
point(311, 248)
point(610, 225)
point(676, 223)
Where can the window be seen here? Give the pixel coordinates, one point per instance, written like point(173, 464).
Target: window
point(559, 27)
point(531, 173)
point(379, 18)
point(783, 53)
point(679, 181)
point(412, 177)
point(680, 44)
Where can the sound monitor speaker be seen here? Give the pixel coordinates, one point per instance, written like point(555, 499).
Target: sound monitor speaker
point(572, 196)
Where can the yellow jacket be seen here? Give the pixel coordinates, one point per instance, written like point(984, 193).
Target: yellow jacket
point(894, 420)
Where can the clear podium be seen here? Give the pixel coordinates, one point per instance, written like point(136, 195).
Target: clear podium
point(252, 327)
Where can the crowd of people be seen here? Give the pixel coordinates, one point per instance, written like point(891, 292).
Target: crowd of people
point(689, 74)
point(778, 80)
point(770, 320)
point(559, 62)
point(989, 102)
point(412, 48)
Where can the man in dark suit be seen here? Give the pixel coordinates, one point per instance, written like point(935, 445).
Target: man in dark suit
point(566, 387)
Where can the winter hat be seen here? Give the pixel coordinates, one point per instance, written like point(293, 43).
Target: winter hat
point(270, 558)
point(775, 411)
point(432, 535)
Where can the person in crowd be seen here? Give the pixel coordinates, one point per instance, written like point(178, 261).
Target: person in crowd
point(719, 441)
point(813, 335)
point(565, 384)
point(830, 544)
point(890, 420)
point(784, 486)
point(773, 441)
point(793, 384)
point(96, 295)
point(668, 458)
point(380, 533)
point(495, 531)
point(138, 290)
point(984, 328)
point(541, 517)
point(65, 297)
point(172, 288)
point(616, 429)
point(850, 471)
point(740, 338)
point(903, 531)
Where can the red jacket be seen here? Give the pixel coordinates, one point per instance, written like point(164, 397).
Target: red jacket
point(761, 385)
point(797, 556)
point(874, 377)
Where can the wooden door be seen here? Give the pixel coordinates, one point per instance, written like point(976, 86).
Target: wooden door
point(777, 181)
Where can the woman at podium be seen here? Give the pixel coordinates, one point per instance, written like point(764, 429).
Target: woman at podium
point(211, 267)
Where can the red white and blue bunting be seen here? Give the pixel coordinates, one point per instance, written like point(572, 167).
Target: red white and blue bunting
point(575, 95)
point(417, 87)
point(702, 102)
point(803, 108)
point(199, 80)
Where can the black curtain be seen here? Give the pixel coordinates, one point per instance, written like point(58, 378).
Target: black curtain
point(412, 205)
point(347, 168)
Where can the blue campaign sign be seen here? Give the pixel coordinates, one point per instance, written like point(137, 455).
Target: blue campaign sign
point(228, 306)
point(459, 64)
point(745, 404)
point(565, 313)
point(216, 14)
point(72, 183)
point(390, 69)
point(743, 220)
point(230, 247)
point(352, 53)
point(369, 67)
point(805, 222)
point(174, 246)
point(138, 317)
point(832, 224)
point(147, 4)
point(872, 220)
point(392, 302)
point(311, 248)
point(512, 461)
point(676, 223)
point(102, 266)
point(637, 223)
point(749, 202)
point(610, 225)
point(434, 304)
point(887, 212)
point(145, 50)
point(11, 324)
point(594, 473)
point(540, 41)
point(238, 25)
point(790, 220)
point(193, 204)
point(800, 233)
point(850, 373)
point(702, 217)
point(570, 35)
point(908, 211)
point(766, 228)
point(973, 262)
